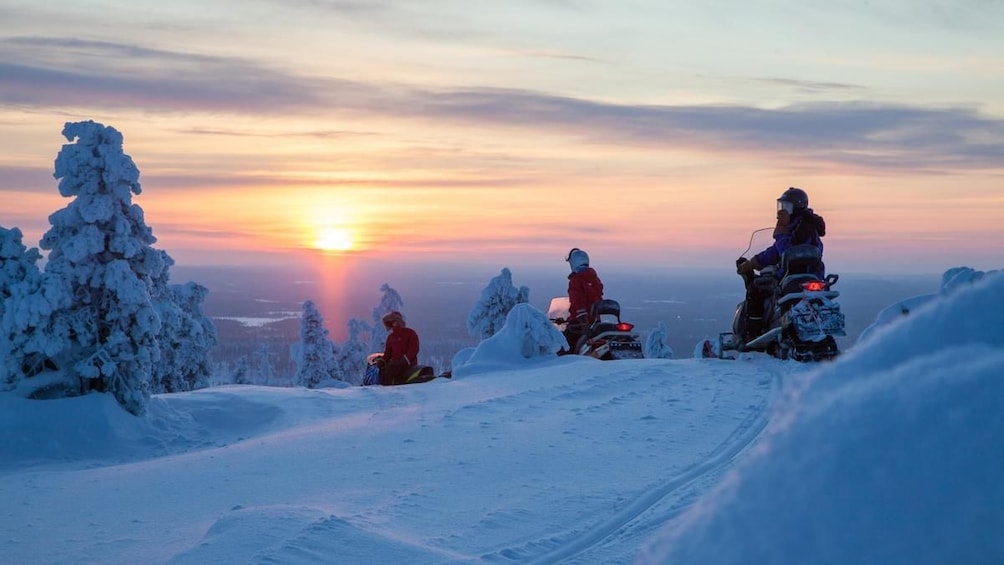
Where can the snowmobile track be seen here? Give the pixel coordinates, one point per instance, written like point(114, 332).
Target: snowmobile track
point(746, 434)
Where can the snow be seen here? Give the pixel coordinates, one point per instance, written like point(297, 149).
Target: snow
point(889, 454)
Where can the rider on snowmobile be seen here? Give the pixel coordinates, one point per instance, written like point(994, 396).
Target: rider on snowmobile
point(584, 289)
point(401, 350)
point(796, 224)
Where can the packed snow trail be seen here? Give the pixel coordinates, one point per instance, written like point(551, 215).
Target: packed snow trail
point(555, 461)
point(676, 491)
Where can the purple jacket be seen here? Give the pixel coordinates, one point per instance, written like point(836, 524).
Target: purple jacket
point(806, 227)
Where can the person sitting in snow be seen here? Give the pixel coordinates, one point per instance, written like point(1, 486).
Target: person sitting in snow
point(796, 224)
point(401, 352)
point(584, 289)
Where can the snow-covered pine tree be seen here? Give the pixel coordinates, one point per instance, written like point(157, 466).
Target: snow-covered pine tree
point(186, 337)
point(17, 262)
point(314, 354)
point(264, 370)
point(92, 318)
point(656, 346)
point(351, 357)
point(497, 299)
point(241, 370)
point(389, 302)
point(18, 274)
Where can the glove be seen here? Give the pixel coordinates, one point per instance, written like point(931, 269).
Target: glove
point(747, 267)
point(783, 220)
point(380, 362)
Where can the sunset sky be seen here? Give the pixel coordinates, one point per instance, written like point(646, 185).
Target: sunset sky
point(648, 132)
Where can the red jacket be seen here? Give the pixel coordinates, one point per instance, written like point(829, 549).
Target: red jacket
point(584, 289)
point(402, 343)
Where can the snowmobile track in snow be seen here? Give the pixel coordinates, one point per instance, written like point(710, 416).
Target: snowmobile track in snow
point(673, 491)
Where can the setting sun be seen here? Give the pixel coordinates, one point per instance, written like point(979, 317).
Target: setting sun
point(334, 239)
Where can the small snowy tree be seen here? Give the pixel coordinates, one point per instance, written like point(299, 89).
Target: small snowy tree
point(389, 302)
point(656, 346)
point(17, 262)
point(241, 370)
point(497, 299)
point(351, 357)
point(18, 276)
point(264, 370)
point(186, 337)
point(314, 354)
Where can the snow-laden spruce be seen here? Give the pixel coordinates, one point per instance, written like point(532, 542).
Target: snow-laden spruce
point(186, 337)
point(93, 320)
point(18, 274)
point(242, 369)
point(264, 369)
point(390, 301)
point(314, 354)
point(655, 346)
point(351, 357)
point(497, 299)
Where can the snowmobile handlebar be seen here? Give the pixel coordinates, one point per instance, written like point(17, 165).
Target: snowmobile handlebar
point(747, 276)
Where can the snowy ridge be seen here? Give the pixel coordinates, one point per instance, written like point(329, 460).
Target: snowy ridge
point(889, 454)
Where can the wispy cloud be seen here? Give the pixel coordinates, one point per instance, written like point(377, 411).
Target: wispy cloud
point(77, 73)
point(73, 73)
point(813, 87)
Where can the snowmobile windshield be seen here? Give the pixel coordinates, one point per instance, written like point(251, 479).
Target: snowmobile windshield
point(759, 240)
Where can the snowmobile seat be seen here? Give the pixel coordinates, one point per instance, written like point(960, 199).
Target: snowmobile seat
point(800, 259)
point(606, 316)
point(606, 307)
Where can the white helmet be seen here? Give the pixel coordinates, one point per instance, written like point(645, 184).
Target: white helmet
point(577, 259)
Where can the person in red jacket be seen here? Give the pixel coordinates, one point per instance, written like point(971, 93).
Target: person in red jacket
point(584, 289)
point(401, 351)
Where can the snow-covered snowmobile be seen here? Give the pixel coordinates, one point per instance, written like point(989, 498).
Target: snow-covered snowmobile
point(801, 315)
point(606, 338)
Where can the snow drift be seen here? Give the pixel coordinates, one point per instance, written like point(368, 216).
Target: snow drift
point(890, 455)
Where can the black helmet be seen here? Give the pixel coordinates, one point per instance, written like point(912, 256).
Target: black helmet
point(796, 198)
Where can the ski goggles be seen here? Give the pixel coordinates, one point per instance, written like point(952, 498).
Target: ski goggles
point(786, 206)
point(568, 257)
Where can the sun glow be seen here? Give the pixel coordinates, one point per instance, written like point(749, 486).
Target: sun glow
point(334, 239)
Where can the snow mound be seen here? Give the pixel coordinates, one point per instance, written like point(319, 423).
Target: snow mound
point(951, 280)
point(892, 454)
point(295, 534)
point(528, 338)
point(95, 430)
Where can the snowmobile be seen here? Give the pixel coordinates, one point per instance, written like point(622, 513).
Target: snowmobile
point(414, 375)
point(801, 315)
point(606, 338)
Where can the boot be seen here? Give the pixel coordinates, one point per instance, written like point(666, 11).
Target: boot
point(754, 328)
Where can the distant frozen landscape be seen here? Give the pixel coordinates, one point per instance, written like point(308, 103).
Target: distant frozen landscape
point(251, 306)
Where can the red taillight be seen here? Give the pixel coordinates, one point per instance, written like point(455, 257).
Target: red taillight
point(814, 286)
point(625, 327)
